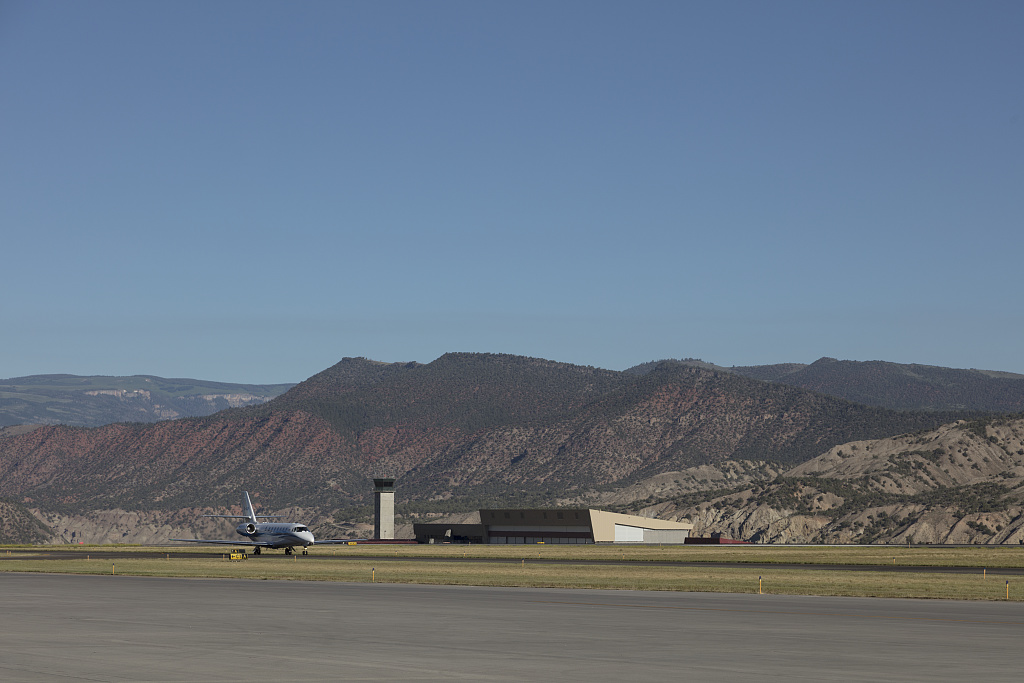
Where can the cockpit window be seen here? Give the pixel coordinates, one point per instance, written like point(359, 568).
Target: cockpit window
point(300, 528)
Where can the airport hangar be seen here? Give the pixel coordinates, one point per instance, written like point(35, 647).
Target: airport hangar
point(562, 526)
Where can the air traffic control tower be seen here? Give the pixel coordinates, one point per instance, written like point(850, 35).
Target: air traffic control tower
point(384, 508)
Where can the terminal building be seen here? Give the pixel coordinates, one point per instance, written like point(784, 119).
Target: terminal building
point(562, 526)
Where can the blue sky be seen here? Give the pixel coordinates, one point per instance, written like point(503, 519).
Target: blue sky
point(250, 191)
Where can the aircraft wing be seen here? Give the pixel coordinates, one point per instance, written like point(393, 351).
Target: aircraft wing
point(203, 540)
point(336, 541)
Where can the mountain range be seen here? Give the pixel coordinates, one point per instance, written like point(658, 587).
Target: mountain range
point(888, 385)
point(960, 483)
point(98, 400)
point(898, 386)
point(462, 432)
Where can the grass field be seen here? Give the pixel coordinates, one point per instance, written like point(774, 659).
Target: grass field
point(634, 571)
point(917, 556)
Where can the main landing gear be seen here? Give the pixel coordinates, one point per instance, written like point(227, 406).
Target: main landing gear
point(256, 550)
point(287, 550)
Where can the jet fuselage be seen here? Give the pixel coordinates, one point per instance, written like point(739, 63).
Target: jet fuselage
point(276, 535)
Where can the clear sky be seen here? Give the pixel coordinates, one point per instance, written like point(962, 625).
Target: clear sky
point(250, 191)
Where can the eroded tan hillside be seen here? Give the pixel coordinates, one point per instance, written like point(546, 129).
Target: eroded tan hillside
point(961, 483)
point(701, 479)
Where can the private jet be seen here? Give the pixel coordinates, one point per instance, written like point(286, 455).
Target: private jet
point(287, 535)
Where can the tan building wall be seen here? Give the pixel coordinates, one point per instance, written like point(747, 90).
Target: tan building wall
point(614, 527)
point(578, 526)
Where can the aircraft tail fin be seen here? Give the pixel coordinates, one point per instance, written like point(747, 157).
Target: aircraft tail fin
point(249, 512)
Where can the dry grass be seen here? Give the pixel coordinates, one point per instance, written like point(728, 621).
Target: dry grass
point(917, 556)
point(638, 576)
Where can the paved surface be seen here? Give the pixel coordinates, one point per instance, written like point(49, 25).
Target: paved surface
point(317, 555)
point(114, 628)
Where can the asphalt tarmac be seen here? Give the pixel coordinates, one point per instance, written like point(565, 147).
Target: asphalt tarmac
point(318, 555)
point(119, 628)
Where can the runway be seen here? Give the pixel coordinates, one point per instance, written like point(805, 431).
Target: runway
point(317, 555)
point(116, 628)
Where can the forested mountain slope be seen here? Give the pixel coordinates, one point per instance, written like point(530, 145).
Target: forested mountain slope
point(897, 386)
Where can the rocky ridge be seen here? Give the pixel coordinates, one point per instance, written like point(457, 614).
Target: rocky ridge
point(960, 483)
point(463, 432)
point(93, 401)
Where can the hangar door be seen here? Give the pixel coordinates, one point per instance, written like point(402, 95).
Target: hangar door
point(628, 534)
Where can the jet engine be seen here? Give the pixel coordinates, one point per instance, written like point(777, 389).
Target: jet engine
point(250, 528)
